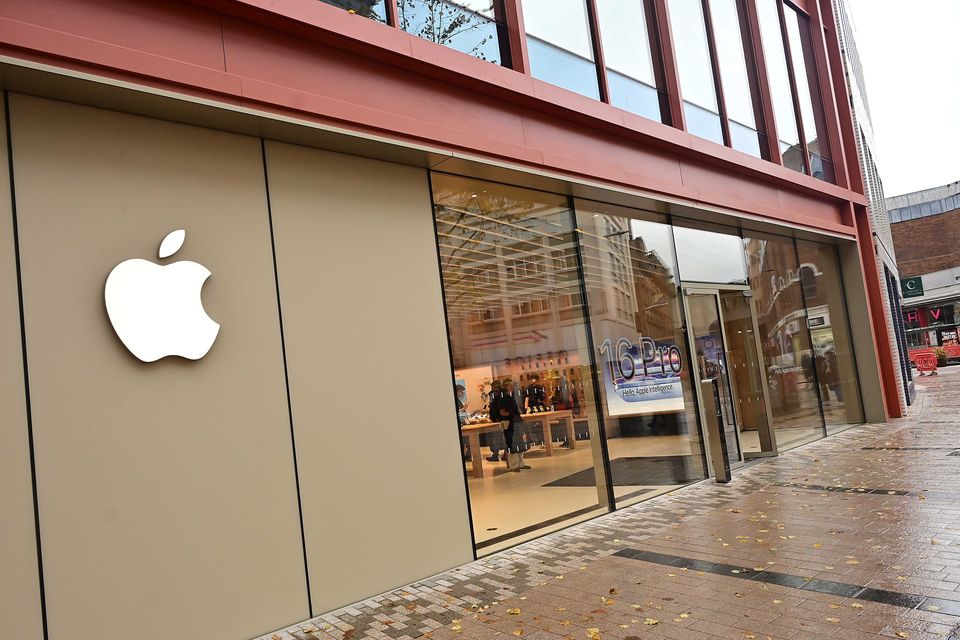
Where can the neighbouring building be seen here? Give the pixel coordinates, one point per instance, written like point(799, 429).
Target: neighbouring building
point(873, 188)
point(432, 236)
point(926, 233)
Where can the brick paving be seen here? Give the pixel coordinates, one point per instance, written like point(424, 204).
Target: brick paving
point(875, 507)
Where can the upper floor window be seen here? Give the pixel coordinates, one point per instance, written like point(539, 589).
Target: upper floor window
point(629, 56)
point(373, 9)
point(560, 44)
point(735, 61)
point(470, 26)
point(695, 68)
point(808, 94)
point(795, 90)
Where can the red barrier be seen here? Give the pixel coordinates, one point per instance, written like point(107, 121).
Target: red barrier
point(926, 363)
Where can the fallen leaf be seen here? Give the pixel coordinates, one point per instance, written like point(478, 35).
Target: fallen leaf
point(778, 602)
point(613, 592)
point(514, 611)
point(932, 607)
point(651, 622)
point(833, 620)
point(856, 605)
point(593, 633)
point(903, 634)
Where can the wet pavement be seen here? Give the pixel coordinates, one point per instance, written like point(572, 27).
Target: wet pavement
point(852, 537)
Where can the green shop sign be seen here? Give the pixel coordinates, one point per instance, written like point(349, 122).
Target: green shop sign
point(912, 287)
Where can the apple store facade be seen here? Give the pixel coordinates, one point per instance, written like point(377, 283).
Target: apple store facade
point(262, 362)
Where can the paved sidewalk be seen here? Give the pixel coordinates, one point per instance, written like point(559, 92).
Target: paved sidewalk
point(852, 537)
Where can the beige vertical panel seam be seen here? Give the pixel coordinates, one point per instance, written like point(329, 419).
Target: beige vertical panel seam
point(286, 373)
point(26, 369)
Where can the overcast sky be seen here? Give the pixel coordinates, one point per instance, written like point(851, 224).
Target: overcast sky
point(911, 63)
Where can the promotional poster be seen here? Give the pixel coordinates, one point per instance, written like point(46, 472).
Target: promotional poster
point(641, 379)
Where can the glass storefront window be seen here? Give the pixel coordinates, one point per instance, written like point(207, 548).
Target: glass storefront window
point(738, 95)
point(650, 415)
point(522, 359)
point(709, 256)
point(373, 9)
point(778, 76)
point(626, 50)
point(834, 361)
point(695, 69)
point(468, 26)
point(560, 45)
point(791, 370)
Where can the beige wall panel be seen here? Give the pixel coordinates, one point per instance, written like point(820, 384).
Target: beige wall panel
point(167, 495)
point(380, 470)
point(19, 582)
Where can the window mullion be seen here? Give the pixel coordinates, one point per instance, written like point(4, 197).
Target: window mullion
point(756, 62)
point(669, 58)
point(601, 64)
point(793, 87)
point(717, 81)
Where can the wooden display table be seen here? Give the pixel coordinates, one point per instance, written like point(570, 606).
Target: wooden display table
point(473, 431)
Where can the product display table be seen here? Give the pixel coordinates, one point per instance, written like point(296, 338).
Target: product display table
point(473, 431)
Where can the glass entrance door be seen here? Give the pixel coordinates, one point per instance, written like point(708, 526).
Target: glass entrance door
point(711, 362)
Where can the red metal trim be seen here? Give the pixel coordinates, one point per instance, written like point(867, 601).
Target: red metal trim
point(839, 121)
point(715, 66)
point(442, 97)
point(393, 14)
point(516, 36)
point(656, 56)
point(767, 116)
point(598, 58)
point(670, 74)
point(881, 338)
point(793, 87)
point(818, 76)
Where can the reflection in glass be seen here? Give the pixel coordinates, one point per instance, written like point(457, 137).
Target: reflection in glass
point(627, 53)
point(746, 370)
point(836, 372)
point(559, 44)
point(373, 9)
point(785, 339)
point(697, 84)
point(737, 90)
point(466, 26)
point(709, 256)
point(649, 409)
point(798, 30)
point(779, 79)
point(712, 364)
point(518, 337)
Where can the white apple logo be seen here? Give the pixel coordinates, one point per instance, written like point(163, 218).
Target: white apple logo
point(156, 310)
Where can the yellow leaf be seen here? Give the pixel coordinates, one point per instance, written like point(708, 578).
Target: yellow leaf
point(565, 623)
point(834, 620)
point(514, 611)
point(684, 615)
point(818, 546)
point(903, 634)
point(518, 632)
point(933, 607)
point(650, 621)
point(857, 605)
point(593, 633)
point(778, 602)
point(456, 626)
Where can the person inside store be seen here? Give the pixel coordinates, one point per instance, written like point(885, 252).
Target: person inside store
point(534, 398)
point(495, 440)
point(515, 432)
point(461, 394)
